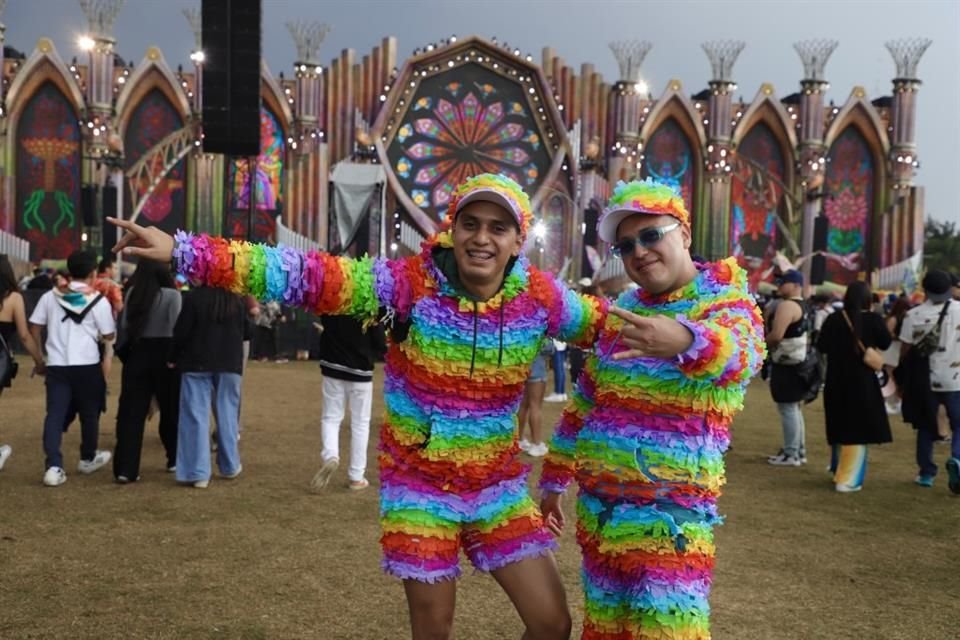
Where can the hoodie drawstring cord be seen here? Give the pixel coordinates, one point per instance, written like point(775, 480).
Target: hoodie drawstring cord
point(473, 354)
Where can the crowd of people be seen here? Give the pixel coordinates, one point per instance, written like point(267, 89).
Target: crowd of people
point(872, 357)
point(657, 379)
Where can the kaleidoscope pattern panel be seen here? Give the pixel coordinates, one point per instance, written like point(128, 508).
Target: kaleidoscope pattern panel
point(466, 121)
point(670, 159)
point(266, 185)
point(756, 200)
point(48, 175)
point(849, 185)
point(154, 119)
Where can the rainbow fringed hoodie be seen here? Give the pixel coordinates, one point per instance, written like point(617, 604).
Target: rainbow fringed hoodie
point(655, 430)
point(454, 381)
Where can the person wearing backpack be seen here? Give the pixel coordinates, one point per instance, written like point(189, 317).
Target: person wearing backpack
point(930, 370)
point(788, 341)
point(76, 319)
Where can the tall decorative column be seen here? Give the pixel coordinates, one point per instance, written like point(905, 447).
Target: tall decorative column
point(903, 235)
point(3, 39)
point(205, 169)
point(814, 55)
point(103, 146)
point(100, 44)
point(308, 134)
point(713, 238)
point(626, 96)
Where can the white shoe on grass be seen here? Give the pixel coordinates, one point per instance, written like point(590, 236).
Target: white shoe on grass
point(525, 445)
point(537, 450)
point(54, 477)
point(5, 451)
point(89, 466)
point(323, 476)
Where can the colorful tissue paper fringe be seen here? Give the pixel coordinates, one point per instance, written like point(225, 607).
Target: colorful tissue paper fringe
point(648, 196)
point(452, 386)
point(645, 438)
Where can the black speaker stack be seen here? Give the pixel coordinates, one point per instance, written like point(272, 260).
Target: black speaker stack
point(231, 76)
point(818, 264)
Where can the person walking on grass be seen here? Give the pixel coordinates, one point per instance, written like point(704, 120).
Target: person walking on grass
point(347, 354)
point(469, 315)
point(13, 322)
point(788, 341)
point(76, 319)
point(645, 432)
point(207, 350)
point(930, 373)
point(530, 417)
point(145, 337)
point(856, 415)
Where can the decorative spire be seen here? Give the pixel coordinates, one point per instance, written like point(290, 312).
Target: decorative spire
point(814, 54)
point(630, 55)
point(308, 36)
point(906, 54)
point(3, 5)
point(101, 14)
point(723, 54)
point(193, 16)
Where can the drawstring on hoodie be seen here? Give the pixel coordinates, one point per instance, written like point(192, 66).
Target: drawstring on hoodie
point(500, 354)
point(473, 353)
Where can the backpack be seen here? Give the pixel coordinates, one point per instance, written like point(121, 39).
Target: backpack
point(929, 343)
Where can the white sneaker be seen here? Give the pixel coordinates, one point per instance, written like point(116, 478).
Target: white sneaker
point(556, 397)
point(89, 466)
point(231, 476)
point(783, 460)
point(54, 477)
point(524, 445)
point(845, 488)
point(5, 451)
point(201, 484)
point(323, 476)
point(537, 450)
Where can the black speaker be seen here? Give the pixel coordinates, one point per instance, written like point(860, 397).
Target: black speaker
point(108, 232)
point(231, 76)
point(820, 225)
point(88, 205)
point(818, 270)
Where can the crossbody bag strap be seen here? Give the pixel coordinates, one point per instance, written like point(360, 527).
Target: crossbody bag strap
point(863, 349)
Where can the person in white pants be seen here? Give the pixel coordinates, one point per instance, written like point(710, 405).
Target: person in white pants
point(347, 354)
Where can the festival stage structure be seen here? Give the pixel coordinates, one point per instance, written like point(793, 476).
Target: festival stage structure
point(360, 154)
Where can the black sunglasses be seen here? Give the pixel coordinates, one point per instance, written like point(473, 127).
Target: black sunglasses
point(646, 239)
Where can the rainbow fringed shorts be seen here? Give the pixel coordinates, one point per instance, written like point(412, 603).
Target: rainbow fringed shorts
point(647, 569)
point(425, 527)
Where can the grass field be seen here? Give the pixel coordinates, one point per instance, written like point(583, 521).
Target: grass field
point(262, 557)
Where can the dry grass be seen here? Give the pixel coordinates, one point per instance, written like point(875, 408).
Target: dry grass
point(262, 557)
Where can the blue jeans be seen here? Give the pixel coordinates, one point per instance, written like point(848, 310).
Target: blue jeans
point(926, 437)
point(559, 372)
point(794, 429)
point(193, 431)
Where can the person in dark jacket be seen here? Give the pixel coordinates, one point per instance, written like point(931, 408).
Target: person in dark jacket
point(852, 399)
point(145, 336)
point(347, 354)
point(208, 351)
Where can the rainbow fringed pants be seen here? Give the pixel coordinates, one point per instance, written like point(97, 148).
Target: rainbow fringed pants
point(647, 569)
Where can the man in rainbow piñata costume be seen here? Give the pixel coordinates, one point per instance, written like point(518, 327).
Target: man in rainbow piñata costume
point(469, 316)
point(646, 430)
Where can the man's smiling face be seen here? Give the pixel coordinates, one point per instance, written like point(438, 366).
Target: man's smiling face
point(485, 237)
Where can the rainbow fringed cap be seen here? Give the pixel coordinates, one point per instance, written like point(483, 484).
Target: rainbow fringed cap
point(640, 196)
point(500, 190)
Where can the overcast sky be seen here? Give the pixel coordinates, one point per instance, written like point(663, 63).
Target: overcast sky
point(580, 30)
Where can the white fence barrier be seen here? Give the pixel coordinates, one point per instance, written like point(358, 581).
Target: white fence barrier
point(17, 249)
point(291, 238)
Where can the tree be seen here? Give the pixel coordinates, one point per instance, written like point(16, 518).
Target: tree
point(941, 246)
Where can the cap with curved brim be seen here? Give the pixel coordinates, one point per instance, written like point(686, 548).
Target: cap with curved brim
point(648, 197)
point(491, 195)
point(607, 227)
